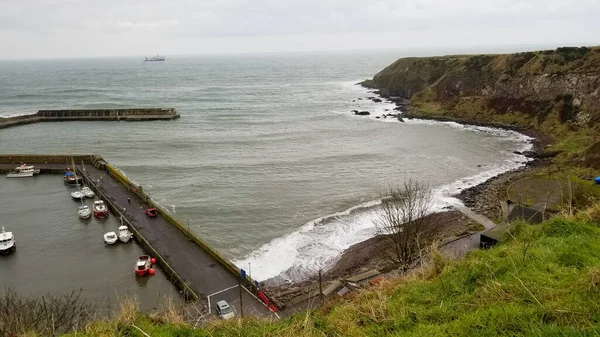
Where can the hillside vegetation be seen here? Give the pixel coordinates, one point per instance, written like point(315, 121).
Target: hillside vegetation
point(544, 281)
point(556, 92)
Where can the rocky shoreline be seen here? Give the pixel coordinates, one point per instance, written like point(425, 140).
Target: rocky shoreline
point(483, 198)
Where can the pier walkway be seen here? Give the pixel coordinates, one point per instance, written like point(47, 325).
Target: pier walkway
point(208, 278)
point(203, 274)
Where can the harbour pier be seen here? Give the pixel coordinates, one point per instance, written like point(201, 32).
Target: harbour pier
point(134, 114)
point(196, 269)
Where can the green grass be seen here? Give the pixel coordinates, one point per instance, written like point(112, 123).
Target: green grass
point(543, 281)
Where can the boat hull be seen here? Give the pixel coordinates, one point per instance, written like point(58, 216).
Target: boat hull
point(142, 272)
point(125, 238)
point(71, 181)
point(100, 214)
point(8, 250)
point(19, 175)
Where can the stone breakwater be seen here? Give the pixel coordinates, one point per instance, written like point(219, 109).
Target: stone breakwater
point(138, 114)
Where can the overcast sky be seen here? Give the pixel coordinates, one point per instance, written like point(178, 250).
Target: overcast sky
point(70, 28)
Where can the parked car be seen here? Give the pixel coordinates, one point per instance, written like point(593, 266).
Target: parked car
point(224, 310)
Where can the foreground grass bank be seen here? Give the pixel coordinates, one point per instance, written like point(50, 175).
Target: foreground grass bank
point(544, 281)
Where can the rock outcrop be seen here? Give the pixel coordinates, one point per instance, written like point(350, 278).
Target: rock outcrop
point(545, 89)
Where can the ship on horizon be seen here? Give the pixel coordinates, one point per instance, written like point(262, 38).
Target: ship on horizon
point(154, 58)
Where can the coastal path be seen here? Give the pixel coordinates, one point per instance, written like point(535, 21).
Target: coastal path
point(459, 248)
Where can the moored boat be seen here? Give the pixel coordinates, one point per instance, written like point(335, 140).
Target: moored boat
point(143, 265)
point(87, 192)
point(84, 212)
point(110, 238)
point(7, 242)
point(23, 171)
point(17, 174)
point(70, 178)
point(124, 234)
point(27, 168)
point(77, 195)
point(100, 209)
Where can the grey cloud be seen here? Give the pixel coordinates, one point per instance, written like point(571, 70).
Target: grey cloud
point(128, 26)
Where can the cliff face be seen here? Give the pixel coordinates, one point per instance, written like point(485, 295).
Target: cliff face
point(549, 90)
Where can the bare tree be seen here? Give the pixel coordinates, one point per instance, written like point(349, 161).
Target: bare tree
point(47, 315)
point(403, 224)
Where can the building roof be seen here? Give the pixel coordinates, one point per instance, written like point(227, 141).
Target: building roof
point(363, 276)
point(498, 232)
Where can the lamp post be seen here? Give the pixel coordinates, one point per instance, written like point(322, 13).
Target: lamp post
point(249, 271)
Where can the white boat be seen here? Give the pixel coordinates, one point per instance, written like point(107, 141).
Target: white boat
point(124, 234)
point(27, 168)
point(100, 209)
point(110, 238)
point(7, 242)
point(78, 195)
point(17, 174)
point(84, 212)
point(23, 171)
point(88, 192)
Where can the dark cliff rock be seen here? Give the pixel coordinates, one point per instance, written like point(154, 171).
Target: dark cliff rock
point(532, 89)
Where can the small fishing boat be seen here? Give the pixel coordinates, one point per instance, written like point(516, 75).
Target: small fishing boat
point(110, 238)
point(70, 178)
point(17, 174)
point(100, 209)
point(124, 234)
point(88, 192)
point(27, 168)
point(151, 212)
point(143, 265)
point(84, 212)
point(77, 195)
point(23, 171)
point(7, 242)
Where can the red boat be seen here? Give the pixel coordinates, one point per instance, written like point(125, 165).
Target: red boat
point(151, 212)
point(100, 209)
point(143, 265)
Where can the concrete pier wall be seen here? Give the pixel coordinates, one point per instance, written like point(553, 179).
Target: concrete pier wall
point(65, 160)
point(172, 275)
point(137, 114)
point(233, 269)
point(95, 163)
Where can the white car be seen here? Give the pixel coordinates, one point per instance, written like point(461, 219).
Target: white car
point(224, 310)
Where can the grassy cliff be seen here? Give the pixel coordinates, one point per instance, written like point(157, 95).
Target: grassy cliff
point(543, 281)
point(556, 92)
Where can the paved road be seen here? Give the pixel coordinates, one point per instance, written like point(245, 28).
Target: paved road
point(484, 221)
point(461, 247)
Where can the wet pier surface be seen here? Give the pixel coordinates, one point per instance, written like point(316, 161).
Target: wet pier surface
point(204, 275)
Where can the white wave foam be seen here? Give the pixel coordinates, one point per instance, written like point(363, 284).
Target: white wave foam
point(15, 114)
point(320, 243)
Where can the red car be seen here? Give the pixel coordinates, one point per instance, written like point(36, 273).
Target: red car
point(151, 212)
